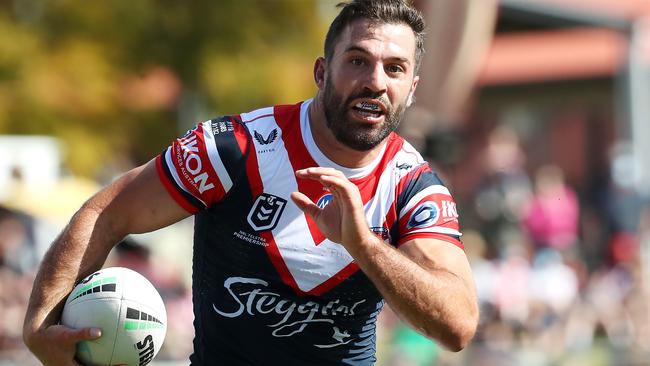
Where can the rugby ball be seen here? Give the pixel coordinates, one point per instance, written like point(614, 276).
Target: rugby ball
point(128, 310)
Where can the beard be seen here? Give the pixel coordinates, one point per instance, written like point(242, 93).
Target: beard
point(355, 135)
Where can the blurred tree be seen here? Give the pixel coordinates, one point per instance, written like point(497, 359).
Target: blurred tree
point(113, 79)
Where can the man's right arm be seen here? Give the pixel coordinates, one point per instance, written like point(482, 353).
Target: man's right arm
point(137, 202)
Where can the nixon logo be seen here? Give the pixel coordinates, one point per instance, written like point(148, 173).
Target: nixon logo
point(146, 350)
point(265, 212)
point(192, 163)
point(265, 141)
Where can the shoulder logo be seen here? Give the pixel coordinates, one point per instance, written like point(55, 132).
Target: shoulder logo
point(449, 209)
point(189, 160)
point(425, 215)
point(266, 212)
point(269, 139)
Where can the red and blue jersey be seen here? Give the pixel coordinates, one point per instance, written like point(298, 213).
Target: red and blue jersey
point(268, 286)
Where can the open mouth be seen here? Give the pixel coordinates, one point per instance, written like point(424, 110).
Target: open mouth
point(369, 109)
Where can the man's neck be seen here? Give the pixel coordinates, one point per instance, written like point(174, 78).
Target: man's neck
point(331, 147)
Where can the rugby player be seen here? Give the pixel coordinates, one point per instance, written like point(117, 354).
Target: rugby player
point(308, 217)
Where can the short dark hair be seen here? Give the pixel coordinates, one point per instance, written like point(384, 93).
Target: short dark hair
point(377, 12)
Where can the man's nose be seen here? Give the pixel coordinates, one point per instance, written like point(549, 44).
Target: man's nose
point(376, 79)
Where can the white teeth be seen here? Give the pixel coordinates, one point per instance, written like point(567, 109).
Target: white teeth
point(367, 114)
point(366, 105)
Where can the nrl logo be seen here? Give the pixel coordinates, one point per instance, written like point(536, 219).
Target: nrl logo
point(269, 139)
point(266, 211)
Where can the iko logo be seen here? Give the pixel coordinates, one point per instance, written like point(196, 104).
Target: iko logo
point(266, 211)
point(425, 215)
point(146, 349)
point(323, 201)
point(449, 209)
point(269, 139)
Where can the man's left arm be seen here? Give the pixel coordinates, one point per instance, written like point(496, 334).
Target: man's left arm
point(428, 282)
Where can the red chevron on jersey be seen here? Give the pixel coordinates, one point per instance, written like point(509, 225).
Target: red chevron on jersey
point(299, 157)
point(275, 161)
point(304, 265)
point(368, 185)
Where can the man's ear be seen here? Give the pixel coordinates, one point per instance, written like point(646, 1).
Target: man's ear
point(411, 98)
point(319, 72)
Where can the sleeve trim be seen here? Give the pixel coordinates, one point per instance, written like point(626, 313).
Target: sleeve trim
point(448, 238)
point(172, 190)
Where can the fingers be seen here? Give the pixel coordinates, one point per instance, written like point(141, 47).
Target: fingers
point(344, 191)
point(316, 171)
point(305, 204)
point(328, 177)
point(82, 334)
point(55, 344)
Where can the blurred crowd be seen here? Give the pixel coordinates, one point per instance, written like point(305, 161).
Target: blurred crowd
point(560, 278)
point(560, 281)
point(18, 259)
point(24, 240)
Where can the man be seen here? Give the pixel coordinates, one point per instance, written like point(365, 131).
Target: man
point(308, 217)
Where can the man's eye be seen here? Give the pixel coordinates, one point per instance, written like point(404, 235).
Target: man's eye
point(356, 61)
point(395, 68)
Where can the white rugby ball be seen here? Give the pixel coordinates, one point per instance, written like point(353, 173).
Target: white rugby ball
point(128, 310)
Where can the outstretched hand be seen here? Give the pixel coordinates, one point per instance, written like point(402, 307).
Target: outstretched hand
point(343, 220)
point(56, 344)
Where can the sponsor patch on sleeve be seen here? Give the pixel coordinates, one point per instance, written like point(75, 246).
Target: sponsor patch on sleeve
point(193, 167)
point(430, 213)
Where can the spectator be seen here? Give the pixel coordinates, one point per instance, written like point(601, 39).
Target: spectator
point(504, 190)
point(551, 219)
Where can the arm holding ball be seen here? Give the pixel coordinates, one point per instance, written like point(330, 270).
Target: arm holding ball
point(137, 202)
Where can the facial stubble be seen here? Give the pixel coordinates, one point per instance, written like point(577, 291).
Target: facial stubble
point(356, 135)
